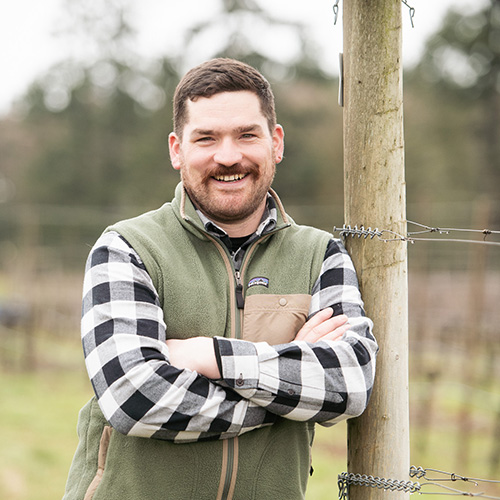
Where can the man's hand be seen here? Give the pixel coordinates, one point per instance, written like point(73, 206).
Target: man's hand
point(323, 326)
point(196, 353)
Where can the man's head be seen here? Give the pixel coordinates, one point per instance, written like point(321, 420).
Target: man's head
point(217, 76)
point(227, 142)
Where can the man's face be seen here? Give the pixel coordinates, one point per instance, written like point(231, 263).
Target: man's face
point(227, 156)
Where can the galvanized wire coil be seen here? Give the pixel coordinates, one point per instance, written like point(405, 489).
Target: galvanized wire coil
point(347, 478)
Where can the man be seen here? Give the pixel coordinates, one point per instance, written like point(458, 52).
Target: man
point(209, 376)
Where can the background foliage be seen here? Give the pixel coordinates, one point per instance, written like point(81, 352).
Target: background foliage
point(87, 145)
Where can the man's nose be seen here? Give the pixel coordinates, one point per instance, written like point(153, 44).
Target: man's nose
point(228, 153)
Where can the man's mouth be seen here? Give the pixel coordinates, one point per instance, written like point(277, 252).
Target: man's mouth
point(229, 178)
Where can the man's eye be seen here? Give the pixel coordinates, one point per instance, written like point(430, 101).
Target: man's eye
point(248, 136)
point(204, 139)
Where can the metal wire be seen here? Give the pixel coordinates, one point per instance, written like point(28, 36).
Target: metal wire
point(420, 472)
point(447, 230)
point(336, 11)
point(412, 12)
point(347, 230)
point(346, 479)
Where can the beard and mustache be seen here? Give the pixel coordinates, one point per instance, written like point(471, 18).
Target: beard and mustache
point(229, 207)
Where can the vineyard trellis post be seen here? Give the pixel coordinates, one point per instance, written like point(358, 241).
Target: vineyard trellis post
point(374, 193)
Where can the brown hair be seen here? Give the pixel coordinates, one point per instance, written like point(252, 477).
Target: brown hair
point(221, 75)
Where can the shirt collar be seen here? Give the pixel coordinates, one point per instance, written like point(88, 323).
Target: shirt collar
point(267, 223)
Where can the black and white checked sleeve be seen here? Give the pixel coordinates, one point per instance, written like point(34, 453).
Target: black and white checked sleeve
point(326, 381)
point(139, 392)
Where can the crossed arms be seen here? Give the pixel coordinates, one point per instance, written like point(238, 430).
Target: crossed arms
point(150, 387)
point(198, 353)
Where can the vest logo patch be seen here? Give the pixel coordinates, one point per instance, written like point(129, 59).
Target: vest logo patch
point(258, 281)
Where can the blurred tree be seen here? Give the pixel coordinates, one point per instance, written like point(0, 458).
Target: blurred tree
point(245, 30)
point(440, 151)
point(463, 58)
point(106, 111)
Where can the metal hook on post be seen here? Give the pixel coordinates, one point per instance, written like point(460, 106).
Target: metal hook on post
point(486, 233)
point(336, 11)
point(412, 12)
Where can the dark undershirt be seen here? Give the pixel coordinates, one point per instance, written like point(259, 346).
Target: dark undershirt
point(237, 243)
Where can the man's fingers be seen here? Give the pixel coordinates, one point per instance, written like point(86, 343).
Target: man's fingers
point(335, 335)
point(319, 318)
point(321, 324)
point(315, 321)
point(326, 328)
point(330, 325)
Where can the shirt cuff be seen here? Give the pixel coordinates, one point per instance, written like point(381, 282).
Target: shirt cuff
point(217, 356)
point(238, 364)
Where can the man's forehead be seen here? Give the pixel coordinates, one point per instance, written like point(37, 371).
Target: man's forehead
point(221, 99)
point(239, 109)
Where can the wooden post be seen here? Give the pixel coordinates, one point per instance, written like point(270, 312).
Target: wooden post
point(378, 441)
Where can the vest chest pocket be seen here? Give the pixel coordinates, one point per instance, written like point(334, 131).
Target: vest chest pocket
point(274, 319)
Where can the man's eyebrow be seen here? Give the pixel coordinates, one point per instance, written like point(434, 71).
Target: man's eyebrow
point(249, 128)
point(254, 127)
point(202, 131)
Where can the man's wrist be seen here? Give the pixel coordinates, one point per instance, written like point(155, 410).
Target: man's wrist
point(195, 353)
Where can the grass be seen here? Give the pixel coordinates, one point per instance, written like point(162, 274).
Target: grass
point(38, 432)
point(329, 460)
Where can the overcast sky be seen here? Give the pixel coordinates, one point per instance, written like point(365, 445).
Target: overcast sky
point(28, 45)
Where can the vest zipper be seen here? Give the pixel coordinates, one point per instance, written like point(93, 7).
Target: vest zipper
point(232, 444)
point(240, 301)
point(231, 447)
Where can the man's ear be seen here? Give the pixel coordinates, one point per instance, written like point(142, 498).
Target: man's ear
point(174, 147)
point(279, 143)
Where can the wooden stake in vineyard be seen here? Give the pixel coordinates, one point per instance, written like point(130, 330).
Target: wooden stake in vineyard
point(378, 441)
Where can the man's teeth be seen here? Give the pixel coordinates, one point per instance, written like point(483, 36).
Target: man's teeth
point(229, 178)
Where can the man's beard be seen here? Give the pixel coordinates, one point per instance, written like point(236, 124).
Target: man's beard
point(223, 210)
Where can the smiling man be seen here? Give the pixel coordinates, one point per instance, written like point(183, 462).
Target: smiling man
point(216, 331)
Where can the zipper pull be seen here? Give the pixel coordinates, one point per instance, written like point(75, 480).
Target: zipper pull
point(240, 301)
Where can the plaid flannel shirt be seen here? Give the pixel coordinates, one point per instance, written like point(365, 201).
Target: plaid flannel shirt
point(141, 394)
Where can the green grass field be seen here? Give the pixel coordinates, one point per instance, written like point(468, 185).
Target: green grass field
point(38, 432)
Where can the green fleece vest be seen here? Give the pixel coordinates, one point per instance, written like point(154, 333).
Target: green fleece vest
point(195, 279)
